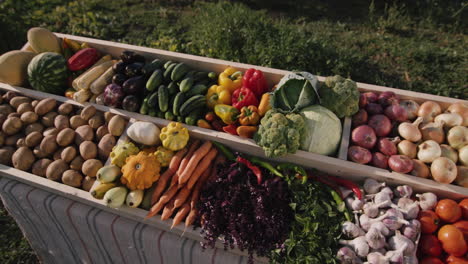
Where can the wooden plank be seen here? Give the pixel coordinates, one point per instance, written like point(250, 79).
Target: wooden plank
point(345, 135)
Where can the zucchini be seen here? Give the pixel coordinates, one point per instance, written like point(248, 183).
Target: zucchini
point(196, 90)
point(186, 84)
point(163, 98)
point(153, 101)
point(168, 71)
point(179, 71)
point(178, 101)
point(173, 88)
point(191, 104)
point(169, 116)
point(154, 80)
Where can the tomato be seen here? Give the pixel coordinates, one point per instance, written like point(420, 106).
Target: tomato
point(430, 245)
point(448, 210)
point(464, 206)
point(452, 240)
point(429, 221)
point(431, 260)
point(463, 226)
point(456, 260)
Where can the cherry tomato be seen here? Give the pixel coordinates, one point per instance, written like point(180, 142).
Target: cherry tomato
point(452, 240)
point(456, 260)
point(448, 210)
point(431, 260)
point(464, 206)
point(429, 221)
point(430, 245)
point(463, 226)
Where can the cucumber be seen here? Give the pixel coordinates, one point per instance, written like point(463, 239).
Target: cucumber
point(212, 75)
point(168, 71)
point(149, 68)
point(154, 80)
point(144, 107)
point(180, 119)
point(152, 112)
point(191, 104)
point(192, 118)
point(179, 71)
point(178, 101)
point(160, 114)
point(189, 74)
point(200, 76)
point(186, 84)
point(166, 65)
point(169, 116)
point(153, 102)
point(163, 98)
point(173, 88)
point(196, 90)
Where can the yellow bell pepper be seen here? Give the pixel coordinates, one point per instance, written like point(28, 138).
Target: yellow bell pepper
point(230, 78)
point(217, 94)
point(227, 113)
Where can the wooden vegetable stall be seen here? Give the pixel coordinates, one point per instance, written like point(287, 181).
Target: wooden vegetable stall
point(67, 225)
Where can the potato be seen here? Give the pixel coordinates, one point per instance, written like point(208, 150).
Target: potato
point(76, 121)
point(51, 131)
point(33, 139)
point(5, 155)
point(9, 95)
point(29, 117)
point(33, 127)
point(72, 178)
point(24, 107)
point(14, 115)
point(17, 100)
point(39, 153)
point(48, 119)
point(23, 158)
point(88, 112)
point(61, 122)
point(11, 140)
point(34, 103)
point(90, 167)
point(116, 125)
point(88, 150)
point(39, 167)
point(3, 117)
point(21, 142)
point(58, 154)
point(2, 138)
point(83, 133)
point(96, 121)
point(12, 125)
point(65, 137)
point(45, 106)
point(6, 109)
point(108, 116)
point(48, 144)
point(55, 169)
point(77, 163)
point(68, 154)
point(87, 183)
point(65, 109)
point(101, 131)
point(105, 146)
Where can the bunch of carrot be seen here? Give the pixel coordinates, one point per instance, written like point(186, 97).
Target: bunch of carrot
point(178, 189)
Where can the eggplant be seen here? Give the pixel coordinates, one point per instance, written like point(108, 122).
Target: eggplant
point(113, 95)
point(119, 67)
point(131, 103)
point(134, 85)
point(119, 78)
point(134, 69)
point(129, 56)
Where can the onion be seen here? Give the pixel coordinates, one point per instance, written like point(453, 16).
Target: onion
point(433, 131)
point(449, 152)
point(449, 119)
point(457, 137)
point(381, 125)
point(371, 97)
point(396, 112)
point(379, 160)
point(443, 170)
point(428, 110)
point(407, 148)
point(364, 136)
point(411, 108)
point(463, 155)
point(387, 98)
point(374, 109)
point(462, 176)
point(388, 145)
point(420, 169)
point(410, 131)
point(460, 108)
point(359, 154)
point(428, 151)
point(360, 118)
point(400, 163)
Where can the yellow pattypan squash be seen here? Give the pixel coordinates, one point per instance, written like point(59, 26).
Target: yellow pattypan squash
point(164, 156)
point(121, 152)
point(140, 171)
point(174, 136)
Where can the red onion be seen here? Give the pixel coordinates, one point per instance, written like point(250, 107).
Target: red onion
point(396, 112)
point(362, 101)
point(381, 125)
point(371, 97)
point(379, 160)
point(400, 163)
point(364, 136)
point(411, 108)
point(360, 118)
point(359, 154)
point(373, 108)
point(387, 98)
point(388, 145)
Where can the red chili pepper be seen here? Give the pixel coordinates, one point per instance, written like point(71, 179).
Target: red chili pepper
point(255, 81)
point(256, 170)
point(243, 97)
point(231, 129)
point(83, 59)
point(348, 184)
point(330, 184)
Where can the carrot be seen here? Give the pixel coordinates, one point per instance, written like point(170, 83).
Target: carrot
point(181, 214)
point(201, 167)
point(168, 210)
point(165, 198)
point(191, 217)
point(185, 160)
point(182, 196)
point(194, 160)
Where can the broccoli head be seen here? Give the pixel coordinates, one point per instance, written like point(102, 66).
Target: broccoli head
point(340, 95)
point(279, 134)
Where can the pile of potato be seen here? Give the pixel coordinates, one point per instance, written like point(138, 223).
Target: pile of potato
point(62, 142)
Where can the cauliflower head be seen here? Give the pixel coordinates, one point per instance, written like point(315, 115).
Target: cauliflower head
point(279, 134)
point(340, 95)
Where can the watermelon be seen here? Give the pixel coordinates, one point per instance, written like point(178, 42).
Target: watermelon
point(48, 72)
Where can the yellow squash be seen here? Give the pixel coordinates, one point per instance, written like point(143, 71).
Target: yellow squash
point(140, 171)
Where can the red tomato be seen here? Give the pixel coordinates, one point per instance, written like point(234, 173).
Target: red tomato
point(448, 210)
point(430, 245)
point(464, 206)
point(456, 260)
point(452, 240)
point(431, 260)
point(429, 221)
point(463, 226)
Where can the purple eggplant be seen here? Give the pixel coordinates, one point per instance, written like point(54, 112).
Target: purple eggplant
point(113, 95)
point(131, 103)
point(134, 85)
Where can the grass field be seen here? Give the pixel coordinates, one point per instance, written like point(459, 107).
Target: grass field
point(414, 45)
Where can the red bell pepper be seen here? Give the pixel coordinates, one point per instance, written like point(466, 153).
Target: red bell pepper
point(243, 97)
point(231, 129)
point(255, 81)
point(256, 170)
point(83, 59)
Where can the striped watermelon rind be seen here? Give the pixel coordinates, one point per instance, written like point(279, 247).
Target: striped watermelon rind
point(48, 72)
